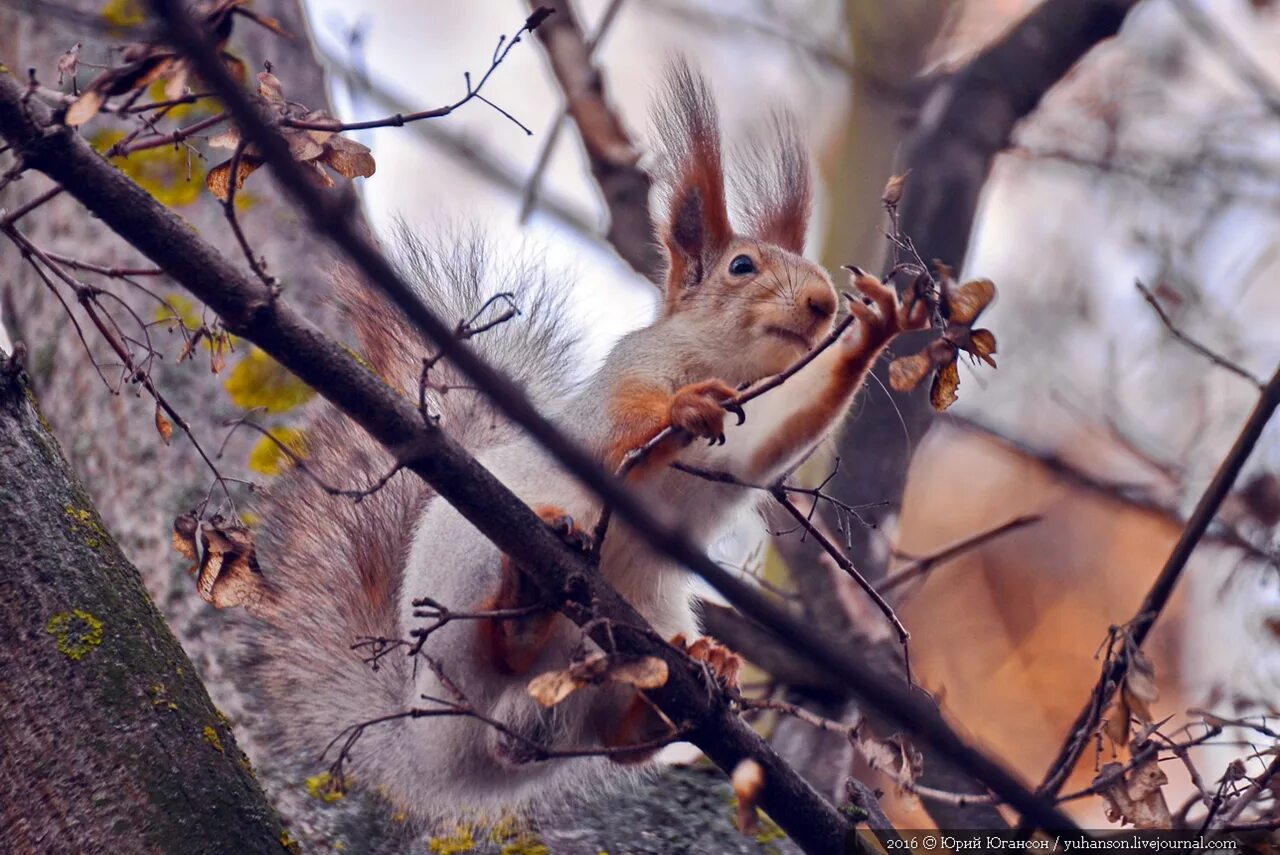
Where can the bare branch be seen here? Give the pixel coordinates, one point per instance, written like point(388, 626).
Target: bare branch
point(920, 566)
point(1215, 358)
point(1157, 597)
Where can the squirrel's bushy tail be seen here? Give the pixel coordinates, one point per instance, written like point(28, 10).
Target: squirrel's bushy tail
point(335, 565)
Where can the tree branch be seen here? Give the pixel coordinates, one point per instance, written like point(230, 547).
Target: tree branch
point(613, 155)
point(1162, 589)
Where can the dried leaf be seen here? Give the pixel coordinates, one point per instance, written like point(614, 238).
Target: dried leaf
point(945, 383)
point(303, 147)
point(218, 353)
point(229, 574)
point(176, 86)
point(982, 344)
point(892, 194)
point(235, 66)
point(229, 138)
point(219, 178)
point(552, 687)
point(163, 425)
point(1117, 722)
point(1136, 798)
point(348, 158)
point(643, 672)
point(270, 87)
point(84, 108)
point(1140, 690)
point(908, 372)
point(184, 536)
point(69, 62)
point(748, 783)
point(143, 65)
point(965, 302)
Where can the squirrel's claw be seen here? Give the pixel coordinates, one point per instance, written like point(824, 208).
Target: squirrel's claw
point(736, 410)
point(568, 530)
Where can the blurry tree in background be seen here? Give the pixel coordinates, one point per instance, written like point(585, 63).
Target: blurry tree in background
point(1038, 150)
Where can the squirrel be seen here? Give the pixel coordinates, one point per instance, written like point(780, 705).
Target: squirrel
point(737, 306)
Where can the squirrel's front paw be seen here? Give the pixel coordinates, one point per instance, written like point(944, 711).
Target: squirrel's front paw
point(699, 408)
point(880, 313)
point(722, 662)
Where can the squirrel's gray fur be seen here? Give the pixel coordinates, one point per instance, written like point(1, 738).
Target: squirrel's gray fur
point(334, 565)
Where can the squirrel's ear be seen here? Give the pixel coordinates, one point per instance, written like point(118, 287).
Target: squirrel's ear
point(696, 229)
point(776, 186)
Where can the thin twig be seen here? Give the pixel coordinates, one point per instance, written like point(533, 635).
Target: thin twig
point(921, 566)
point(529, 196)
point(1216, 358)
point(401, 119)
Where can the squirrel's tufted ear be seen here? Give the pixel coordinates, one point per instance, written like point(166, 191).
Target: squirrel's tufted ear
point(696, 229)
point(775, 186)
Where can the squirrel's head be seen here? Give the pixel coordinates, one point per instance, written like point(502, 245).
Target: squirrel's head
point(752, 292)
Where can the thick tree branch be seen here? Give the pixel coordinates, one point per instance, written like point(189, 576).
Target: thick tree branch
point(614, 157)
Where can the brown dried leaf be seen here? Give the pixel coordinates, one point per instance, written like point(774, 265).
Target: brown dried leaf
point(552, 687)
point(229, 574)
point(219, 345)
point(908, 372)
point(643, 672)
point(348, 158)
point(270, 87)
point(85, 107)
point(163, 425)
point(219, 178)
point(1117, 723)
point(302, 146)
point(235, 67)
point(945, 383)
point(1136, 798)
point(892, 194)
point(184, 536)
point(228, 138)
point(982, 344)
point(176, 85)
point(69, 62)
point(1140, 690)
point(748, 784)
point(965, 302)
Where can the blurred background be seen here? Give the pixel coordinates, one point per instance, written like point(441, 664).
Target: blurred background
point(1155, 158)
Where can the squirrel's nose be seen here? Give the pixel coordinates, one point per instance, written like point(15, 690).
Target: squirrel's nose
point(821, 302)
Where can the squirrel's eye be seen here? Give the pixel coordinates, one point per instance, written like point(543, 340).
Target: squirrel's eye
point(742, 265)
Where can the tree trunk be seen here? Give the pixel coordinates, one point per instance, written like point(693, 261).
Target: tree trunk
point(110, 742)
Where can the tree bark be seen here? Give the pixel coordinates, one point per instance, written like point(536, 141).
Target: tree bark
point(110, 741)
